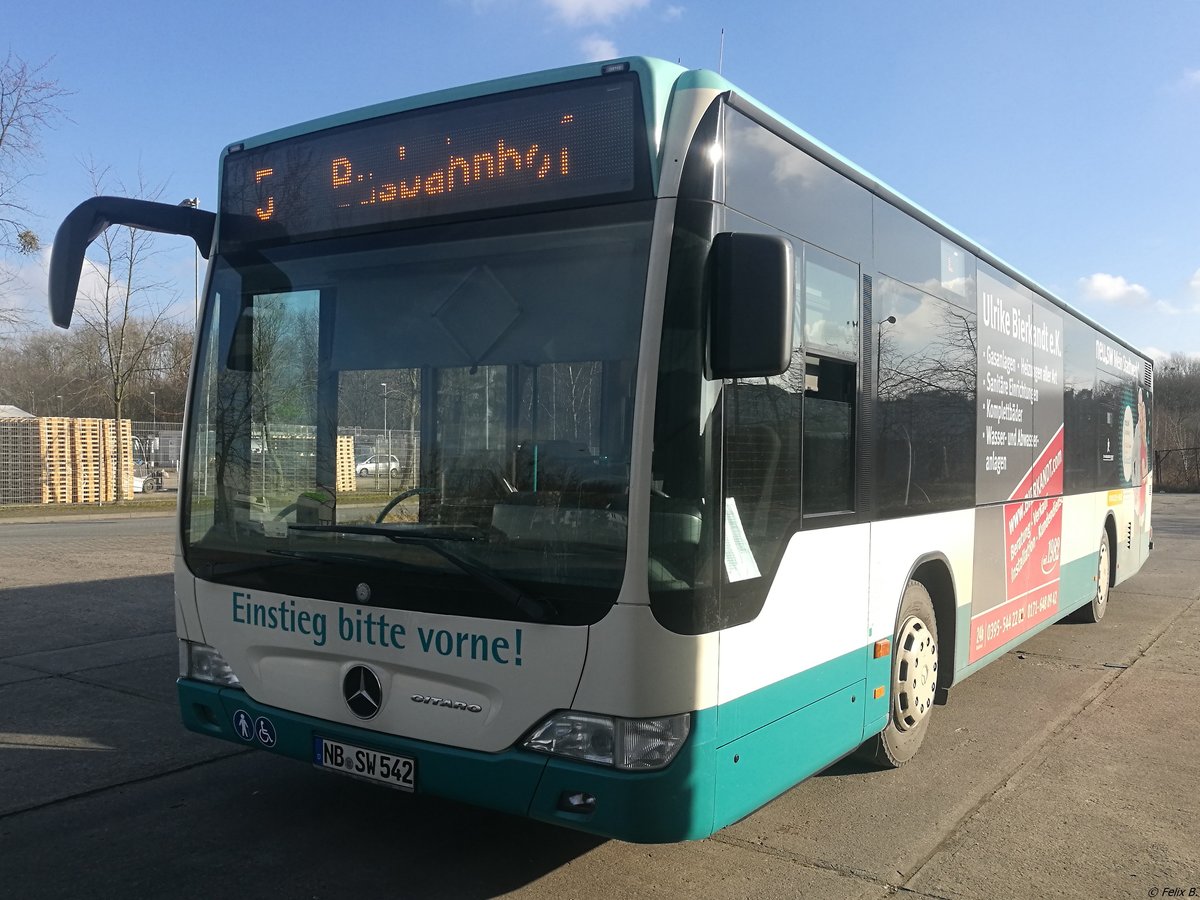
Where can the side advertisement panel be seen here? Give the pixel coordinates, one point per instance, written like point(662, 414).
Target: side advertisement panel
point(1124, 424)
point(1019, 463)
point(1123, 447)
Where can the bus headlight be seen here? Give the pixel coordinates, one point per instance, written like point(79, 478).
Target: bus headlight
point(204, 663)
point(630, 744)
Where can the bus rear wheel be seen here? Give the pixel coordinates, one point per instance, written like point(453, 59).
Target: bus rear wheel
point(913, 684)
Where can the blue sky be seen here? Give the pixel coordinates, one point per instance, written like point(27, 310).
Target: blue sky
point(1063, 136)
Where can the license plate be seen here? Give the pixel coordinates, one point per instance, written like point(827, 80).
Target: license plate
point(395, 771)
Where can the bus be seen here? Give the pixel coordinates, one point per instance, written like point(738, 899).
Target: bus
point(721, 459)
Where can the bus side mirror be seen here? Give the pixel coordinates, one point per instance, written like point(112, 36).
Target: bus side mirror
point(84, 224)
point(753, 291)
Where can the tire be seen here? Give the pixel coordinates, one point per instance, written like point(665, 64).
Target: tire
point(394, 473)
point(362, 473)
point(913, 685)
point(1093, 612)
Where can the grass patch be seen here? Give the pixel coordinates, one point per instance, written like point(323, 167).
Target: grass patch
point(66, 510)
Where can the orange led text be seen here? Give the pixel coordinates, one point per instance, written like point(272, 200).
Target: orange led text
point(264, 213)
point(459, 172)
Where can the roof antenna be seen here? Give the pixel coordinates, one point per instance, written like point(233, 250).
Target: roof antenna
point(721, 58)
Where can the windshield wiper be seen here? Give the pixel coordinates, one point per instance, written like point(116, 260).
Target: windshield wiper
point(227, 568)
point(324, 556)
point(223, 569)
point(536, 608)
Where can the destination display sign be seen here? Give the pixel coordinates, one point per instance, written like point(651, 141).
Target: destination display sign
point(582, 139)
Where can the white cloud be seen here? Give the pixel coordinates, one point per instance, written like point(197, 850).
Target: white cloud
point(592, 12)
point(672, 14)
point(23, 286)
point(596, 48)
point(1190, 80)
point(1114, 290)
point(1166, 307)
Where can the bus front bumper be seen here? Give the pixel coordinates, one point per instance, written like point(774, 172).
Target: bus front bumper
point(673, 804)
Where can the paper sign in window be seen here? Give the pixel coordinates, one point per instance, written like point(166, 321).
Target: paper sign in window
point(739, 558)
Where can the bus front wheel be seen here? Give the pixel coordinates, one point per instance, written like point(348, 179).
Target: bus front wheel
point(913, 684)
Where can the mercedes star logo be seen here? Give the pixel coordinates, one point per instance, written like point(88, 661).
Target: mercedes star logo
point(363, 692)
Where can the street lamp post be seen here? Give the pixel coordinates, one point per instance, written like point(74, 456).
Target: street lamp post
point(153, 426)
point(890, 320)
point(388, 437)
point(60, 406)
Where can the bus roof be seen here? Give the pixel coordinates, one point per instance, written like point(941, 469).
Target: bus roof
point(766, 116)
point(659, 81)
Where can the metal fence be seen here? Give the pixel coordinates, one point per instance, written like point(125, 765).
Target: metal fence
point(381, 454)
point(60, 459)
point(281, 459)
point(64, 460)
point(157, 449)
point(390, 459)
point(72, 460)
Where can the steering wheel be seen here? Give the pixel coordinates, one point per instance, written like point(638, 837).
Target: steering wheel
point(398, 499)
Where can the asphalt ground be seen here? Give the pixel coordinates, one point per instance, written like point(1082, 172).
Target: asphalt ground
point(1068, 768)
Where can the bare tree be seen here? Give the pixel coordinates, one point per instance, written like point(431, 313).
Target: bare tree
point(1176, 423)
point(11, 317)
point(50, 371)
point(28, 105)
point(123, 308)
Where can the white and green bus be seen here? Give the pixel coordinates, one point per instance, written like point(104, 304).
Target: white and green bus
point(721, 460)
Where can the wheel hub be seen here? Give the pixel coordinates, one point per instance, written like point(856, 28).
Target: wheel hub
point(1102, 577)
point(914, 678)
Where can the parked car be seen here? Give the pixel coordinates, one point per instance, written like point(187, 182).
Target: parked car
point(379, 464)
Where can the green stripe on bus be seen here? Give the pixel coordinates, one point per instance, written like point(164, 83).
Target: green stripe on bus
point(790, 730)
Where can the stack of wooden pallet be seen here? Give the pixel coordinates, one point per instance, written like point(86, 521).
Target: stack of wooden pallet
point(56, 459)
point(346, 478)
point(54, 440)
point(87, 450)
point(108, 478)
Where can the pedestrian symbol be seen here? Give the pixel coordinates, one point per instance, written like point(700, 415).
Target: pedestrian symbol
point(265, 731)
point(242, 724)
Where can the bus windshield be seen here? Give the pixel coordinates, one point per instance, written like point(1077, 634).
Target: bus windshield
point(436, 419)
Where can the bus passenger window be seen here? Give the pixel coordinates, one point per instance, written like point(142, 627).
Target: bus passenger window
point(830, 303)
point(830, 314)
point(828, 436)
point(925, 433)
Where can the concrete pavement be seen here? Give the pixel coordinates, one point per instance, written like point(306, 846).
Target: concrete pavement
point(1070, 768)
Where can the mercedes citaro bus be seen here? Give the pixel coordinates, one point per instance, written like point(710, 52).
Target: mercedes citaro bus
point(727, 460)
